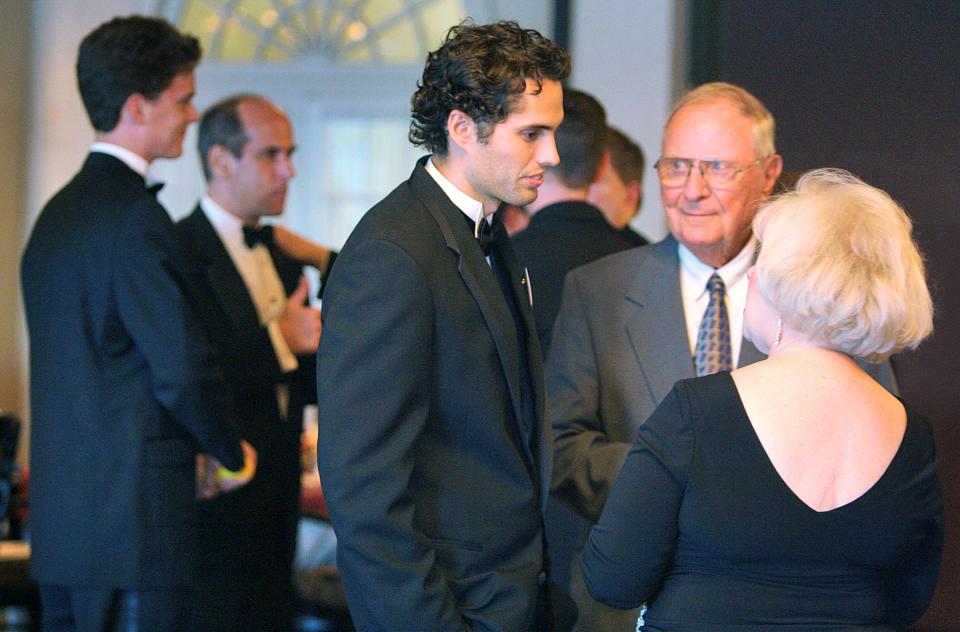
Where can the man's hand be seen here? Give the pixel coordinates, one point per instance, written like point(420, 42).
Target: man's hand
point(213, 479)
point(300, 323)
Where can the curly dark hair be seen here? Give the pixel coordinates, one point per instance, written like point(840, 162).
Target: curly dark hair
point(481, 70)
point(130, 55)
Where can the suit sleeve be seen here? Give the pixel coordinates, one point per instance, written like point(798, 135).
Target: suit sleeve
point(586, 461)
point(150, 289)
point(374, 382)
point(632, 545)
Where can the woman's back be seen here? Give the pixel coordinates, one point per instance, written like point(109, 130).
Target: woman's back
point(829, 430)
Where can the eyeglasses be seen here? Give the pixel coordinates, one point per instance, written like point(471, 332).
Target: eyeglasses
point(718, 174)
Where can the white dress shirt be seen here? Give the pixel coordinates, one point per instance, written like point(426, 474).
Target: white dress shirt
point(694, 275)
point(470, 207)
point(259, 274)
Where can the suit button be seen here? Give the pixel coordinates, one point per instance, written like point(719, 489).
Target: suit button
point(541, 578)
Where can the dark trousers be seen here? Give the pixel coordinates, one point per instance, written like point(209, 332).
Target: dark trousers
point(80, 609)
point(556, 612)
point(259, 601)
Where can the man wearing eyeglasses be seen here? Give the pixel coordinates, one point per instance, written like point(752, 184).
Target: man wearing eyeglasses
point(632, 324)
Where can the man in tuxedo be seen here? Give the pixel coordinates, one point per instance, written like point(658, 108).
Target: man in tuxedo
point(618, 189)
point(266, 332)
point(633, 324)
point(124, 391)
point(565, 230)
point(432, 444)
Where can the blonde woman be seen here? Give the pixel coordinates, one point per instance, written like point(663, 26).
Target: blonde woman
point(794, 493)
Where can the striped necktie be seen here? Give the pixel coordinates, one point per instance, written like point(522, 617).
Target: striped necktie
point(713, 340)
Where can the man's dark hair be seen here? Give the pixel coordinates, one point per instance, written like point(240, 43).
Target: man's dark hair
point(481, 70)
point(221, 125)
point(625, 156)
point(581, 139)
point(130, 55)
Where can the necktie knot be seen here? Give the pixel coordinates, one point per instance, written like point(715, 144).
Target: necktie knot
point(715, 286)
point(253, 235)
point(714, 352)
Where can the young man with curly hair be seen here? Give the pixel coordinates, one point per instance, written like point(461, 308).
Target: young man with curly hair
point(433, 448)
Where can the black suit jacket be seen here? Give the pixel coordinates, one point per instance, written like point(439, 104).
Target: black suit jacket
point(633, 236)
point(123, 388)
point(559, 238)
point(253, 527)
point(434, 483)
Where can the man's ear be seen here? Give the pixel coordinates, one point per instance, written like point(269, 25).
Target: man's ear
point(220, 162)
point(635, 193)
point(772, 167)
point(461, 129)
point(602, 167)
point(132, 110)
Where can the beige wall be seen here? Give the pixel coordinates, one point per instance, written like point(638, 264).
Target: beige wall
point(14, 71)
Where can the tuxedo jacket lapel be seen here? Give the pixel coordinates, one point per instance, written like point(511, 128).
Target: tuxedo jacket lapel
point(657, 328)
point(227, 285)
point(521, 296)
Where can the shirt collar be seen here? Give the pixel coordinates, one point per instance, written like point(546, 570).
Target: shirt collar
point(224, 222)
point(470, 207)
point(127, 157)
point(699, 273)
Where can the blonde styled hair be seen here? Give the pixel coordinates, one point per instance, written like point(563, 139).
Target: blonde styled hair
point(838, 261)
point(764, 127)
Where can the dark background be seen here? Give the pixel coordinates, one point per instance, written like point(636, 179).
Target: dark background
point(872, 86)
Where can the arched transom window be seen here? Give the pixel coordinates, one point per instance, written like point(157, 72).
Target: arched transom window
point(340, 31)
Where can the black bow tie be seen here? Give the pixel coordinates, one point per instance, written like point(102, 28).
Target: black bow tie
point(488, 232)
point(154, 188)
point(253, 235)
